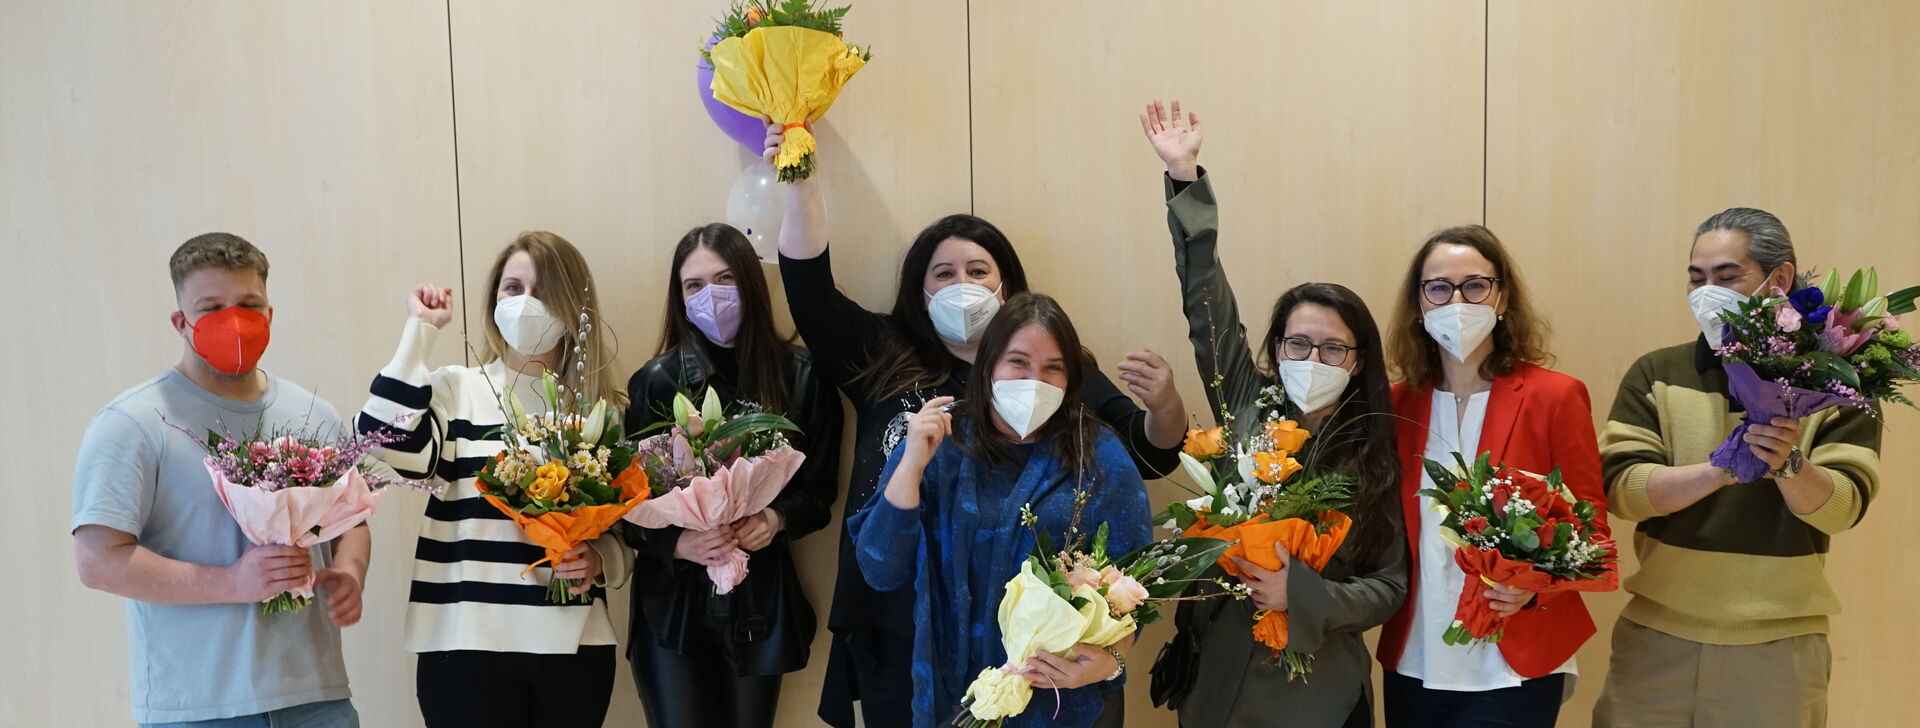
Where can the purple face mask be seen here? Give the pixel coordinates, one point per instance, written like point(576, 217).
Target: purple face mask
point(715, 311)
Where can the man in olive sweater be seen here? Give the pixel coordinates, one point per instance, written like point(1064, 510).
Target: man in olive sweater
point(1728, 621)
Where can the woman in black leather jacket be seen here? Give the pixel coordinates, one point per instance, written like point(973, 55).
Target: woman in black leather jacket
point(699, 658)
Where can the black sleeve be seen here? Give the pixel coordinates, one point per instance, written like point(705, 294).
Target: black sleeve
point(1128, 421)
point(807, 502)
point(650, 393)
point(837, 331)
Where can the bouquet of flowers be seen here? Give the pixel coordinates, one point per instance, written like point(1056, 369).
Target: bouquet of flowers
point(1065, 597)
point(714, 469)
point(1517, 529)
point(295, 489)
point(564, 477)
point(783, 61)
point(1794, 354)
point(1255, 496)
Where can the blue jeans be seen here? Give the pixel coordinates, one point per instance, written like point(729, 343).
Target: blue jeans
point(329, 714)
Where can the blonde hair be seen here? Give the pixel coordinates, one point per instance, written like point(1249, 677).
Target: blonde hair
point(565, 285)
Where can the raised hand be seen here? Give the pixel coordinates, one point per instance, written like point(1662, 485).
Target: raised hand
point(926, 430)
point(432, 304)
point(1175, 139)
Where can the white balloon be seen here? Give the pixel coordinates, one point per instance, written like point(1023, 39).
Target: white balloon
point(756, 206)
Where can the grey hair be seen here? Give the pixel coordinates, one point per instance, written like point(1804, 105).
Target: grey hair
point(1767, 240)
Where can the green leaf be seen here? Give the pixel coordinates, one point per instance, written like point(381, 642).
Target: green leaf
point(1525, 539)
point(749, 423)
point(1902, 301)
point(1838, 368)
point(1181, 514)
point(1441, 476)
point(1099, 548)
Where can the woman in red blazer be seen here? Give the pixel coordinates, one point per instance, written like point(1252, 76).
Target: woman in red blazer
point(1468, 348)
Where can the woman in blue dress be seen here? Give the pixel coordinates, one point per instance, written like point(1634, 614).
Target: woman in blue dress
point(946, 522)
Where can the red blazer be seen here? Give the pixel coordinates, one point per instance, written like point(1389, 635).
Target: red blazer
point(1537, 420)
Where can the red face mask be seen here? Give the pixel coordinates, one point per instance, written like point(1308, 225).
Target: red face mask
point(232, 339)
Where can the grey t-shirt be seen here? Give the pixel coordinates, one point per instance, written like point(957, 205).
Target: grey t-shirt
point(138, 475)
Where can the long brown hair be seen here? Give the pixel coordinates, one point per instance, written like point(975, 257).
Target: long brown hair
point(914, 358)
point(759, 348)
point(566, 287)
point(1519, 336)
point(1071, 431)
point(1359, 437)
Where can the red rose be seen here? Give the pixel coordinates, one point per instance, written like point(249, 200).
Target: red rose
point(1545, 532)
point(1501, 494)
point(1462, 485)
point(1477, 525)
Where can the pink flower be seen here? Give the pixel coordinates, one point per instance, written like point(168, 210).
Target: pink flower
point(1083, 576)
point(1125, 594)
point(1839, 338)
point(305, 468)
point(1787, 318)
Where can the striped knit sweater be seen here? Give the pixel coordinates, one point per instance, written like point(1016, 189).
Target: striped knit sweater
point(468, 593)
point(1738, 567)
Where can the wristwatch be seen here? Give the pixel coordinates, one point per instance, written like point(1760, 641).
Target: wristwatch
point(1792, 467)
point(1119, 661)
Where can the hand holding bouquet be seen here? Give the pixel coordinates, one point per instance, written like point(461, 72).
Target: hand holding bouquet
point(1516, 529)
point(564, 477)
point(1256, 497)
point(295, 489)
point(1793, 354)
point(714, 469)
point(1067, 597)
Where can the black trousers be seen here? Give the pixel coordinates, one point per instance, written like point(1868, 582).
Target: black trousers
point(471, 689)
point(699, 690)
point(1533, 704)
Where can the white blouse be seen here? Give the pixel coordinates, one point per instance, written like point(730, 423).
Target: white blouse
point(1438, 665)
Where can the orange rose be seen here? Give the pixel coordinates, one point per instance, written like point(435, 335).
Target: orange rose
point(1273, 467)
point(1287, 435)
point(1204, 444)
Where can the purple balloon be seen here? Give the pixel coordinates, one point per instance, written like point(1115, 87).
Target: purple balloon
point(748, 131)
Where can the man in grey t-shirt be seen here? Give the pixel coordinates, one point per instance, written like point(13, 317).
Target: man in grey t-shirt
point(149, 526)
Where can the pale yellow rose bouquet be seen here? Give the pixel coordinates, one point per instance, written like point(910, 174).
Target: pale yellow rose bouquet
point(1067, 597)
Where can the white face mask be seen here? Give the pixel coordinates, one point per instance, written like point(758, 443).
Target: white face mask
point(960, 312)
point(1311, 385)
point(1026, 404)
point(1708, 302)
point(1459, 328)
point(526, 325)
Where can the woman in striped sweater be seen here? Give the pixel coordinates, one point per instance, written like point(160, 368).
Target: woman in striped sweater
point(492, 648)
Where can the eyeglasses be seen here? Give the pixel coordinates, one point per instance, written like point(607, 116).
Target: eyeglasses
point(1299, 348)
point(1475, 289)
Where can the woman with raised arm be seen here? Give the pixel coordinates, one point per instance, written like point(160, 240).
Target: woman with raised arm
point(491, 645)
point(954, 277)
point(1322, 349)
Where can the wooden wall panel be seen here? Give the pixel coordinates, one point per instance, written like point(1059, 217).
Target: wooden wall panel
point(1615, 128)
point(317, 130)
